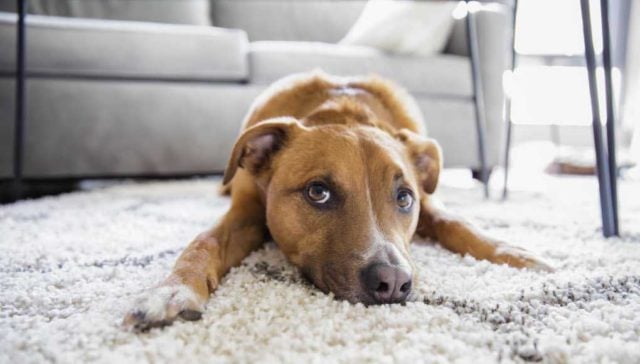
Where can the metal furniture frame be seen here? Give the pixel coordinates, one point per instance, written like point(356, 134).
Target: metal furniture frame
point(605, 158)
point(19, 100)
point(605, 144)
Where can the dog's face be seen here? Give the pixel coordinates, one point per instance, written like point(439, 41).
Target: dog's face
point(342, 202)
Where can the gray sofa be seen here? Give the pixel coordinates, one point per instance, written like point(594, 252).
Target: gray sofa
point(142, 96)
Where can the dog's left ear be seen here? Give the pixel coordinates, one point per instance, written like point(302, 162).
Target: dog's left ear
point(256, 146)
point(426, 156)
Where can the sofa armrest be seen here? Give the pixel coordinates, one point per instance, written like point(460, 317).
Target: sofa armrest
point(494, 29)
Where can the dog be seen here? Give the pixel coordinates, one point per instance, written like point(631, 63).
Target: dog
point(339, 173)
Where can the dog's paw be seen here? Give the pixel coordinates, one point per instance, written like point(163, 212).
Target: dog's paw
point(520, 258)
point(537, 264)
point(162, 305)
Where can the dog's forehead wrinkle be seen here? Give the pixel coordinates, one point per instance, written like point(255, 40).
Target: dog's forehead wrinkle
point(385, 150)
point(364, 161)
point(348, 152)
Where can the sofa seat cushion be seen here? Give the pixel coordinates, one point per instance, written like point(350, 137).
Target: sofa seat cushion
point(443, 74)
point(91, 128)
point(120, 49)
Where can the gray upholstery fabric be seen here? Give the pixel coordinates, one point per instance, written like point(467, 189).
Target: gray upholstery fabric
point(96, 128)
point(7, 98)
point(457, 43)
point(448, 75)
point(493, 33)
point(302, 20)
point(108, 48)
point(451, 122)
point(194, 12)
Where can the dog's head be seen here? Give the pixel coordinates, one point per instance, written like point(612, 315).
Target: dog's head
point(342, 202)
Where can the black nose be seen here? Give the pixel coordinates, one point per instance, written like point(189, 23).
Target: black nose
point(386, 283)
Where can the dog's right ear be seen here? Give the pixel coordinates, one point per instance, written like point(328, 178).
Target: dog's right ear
point(257, 145)
point(426, 155)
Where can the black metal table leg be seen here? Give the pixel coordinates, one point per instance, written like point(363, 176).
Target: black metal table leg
point(602, 162)
point(20, 99)
point(610, 122)
point(478, 97)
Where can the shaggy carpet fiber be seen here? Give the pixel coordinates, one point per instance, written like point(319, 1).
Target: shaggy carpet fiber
point(72, 265)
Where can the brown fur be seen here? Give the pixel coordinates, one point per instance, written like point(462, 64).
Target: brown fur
point(359, 137)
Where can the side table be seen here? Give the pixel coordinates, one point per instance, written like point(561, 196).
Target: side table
point(605, 144)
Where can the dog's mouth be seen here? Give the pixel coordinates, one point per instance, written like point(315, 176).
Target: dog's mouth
point(346, 287)
point(330, 281)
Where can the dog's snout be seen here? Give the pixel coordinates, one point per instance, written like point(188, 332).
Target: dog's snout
point(386, 283)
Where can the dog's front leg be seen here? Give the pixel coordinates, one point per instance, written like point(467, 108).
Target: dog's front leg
point(459, 236)
point(202, 264)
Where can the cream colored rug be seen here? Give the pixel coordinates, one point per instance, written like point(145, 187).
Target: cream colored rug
point(70, 266)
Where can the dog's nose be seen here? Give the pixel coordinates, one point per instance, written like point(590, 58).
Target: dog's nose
point(386, 283)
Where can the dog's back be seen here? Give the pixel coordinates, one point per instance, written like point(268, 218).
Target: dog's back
point(318, 98)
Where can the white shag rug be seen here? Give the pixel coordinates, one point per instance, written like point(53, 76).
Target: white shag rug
point(70, 266)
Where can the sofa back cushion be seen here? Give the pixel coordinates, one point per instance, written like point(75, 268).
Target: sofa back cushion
point(194, 12)
point(301, 20)
point(417, 28)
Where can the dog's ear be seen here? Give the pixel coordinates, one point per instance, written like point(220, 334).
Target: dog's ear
point(426, 156)
point(256, 146)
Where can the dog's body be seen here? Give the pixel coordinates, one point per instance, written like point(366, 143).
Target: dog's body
point(337, 171)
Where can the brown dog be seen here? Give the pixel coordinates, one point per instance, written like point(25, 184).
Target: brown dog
point(338, 172)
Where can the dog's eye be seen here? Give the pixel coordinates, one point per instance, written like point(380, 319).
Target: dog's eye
point(318, 193)
point(404, 199)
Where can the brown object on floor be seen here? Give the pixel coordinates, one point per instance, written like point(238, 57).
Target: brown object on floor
point(573, 160)
point(580, 161)
point(559, 167)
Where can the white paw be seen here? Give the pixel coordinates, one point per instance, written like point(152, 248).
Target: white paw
point(536, 264)
point(520, 258)
point(162, 305)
